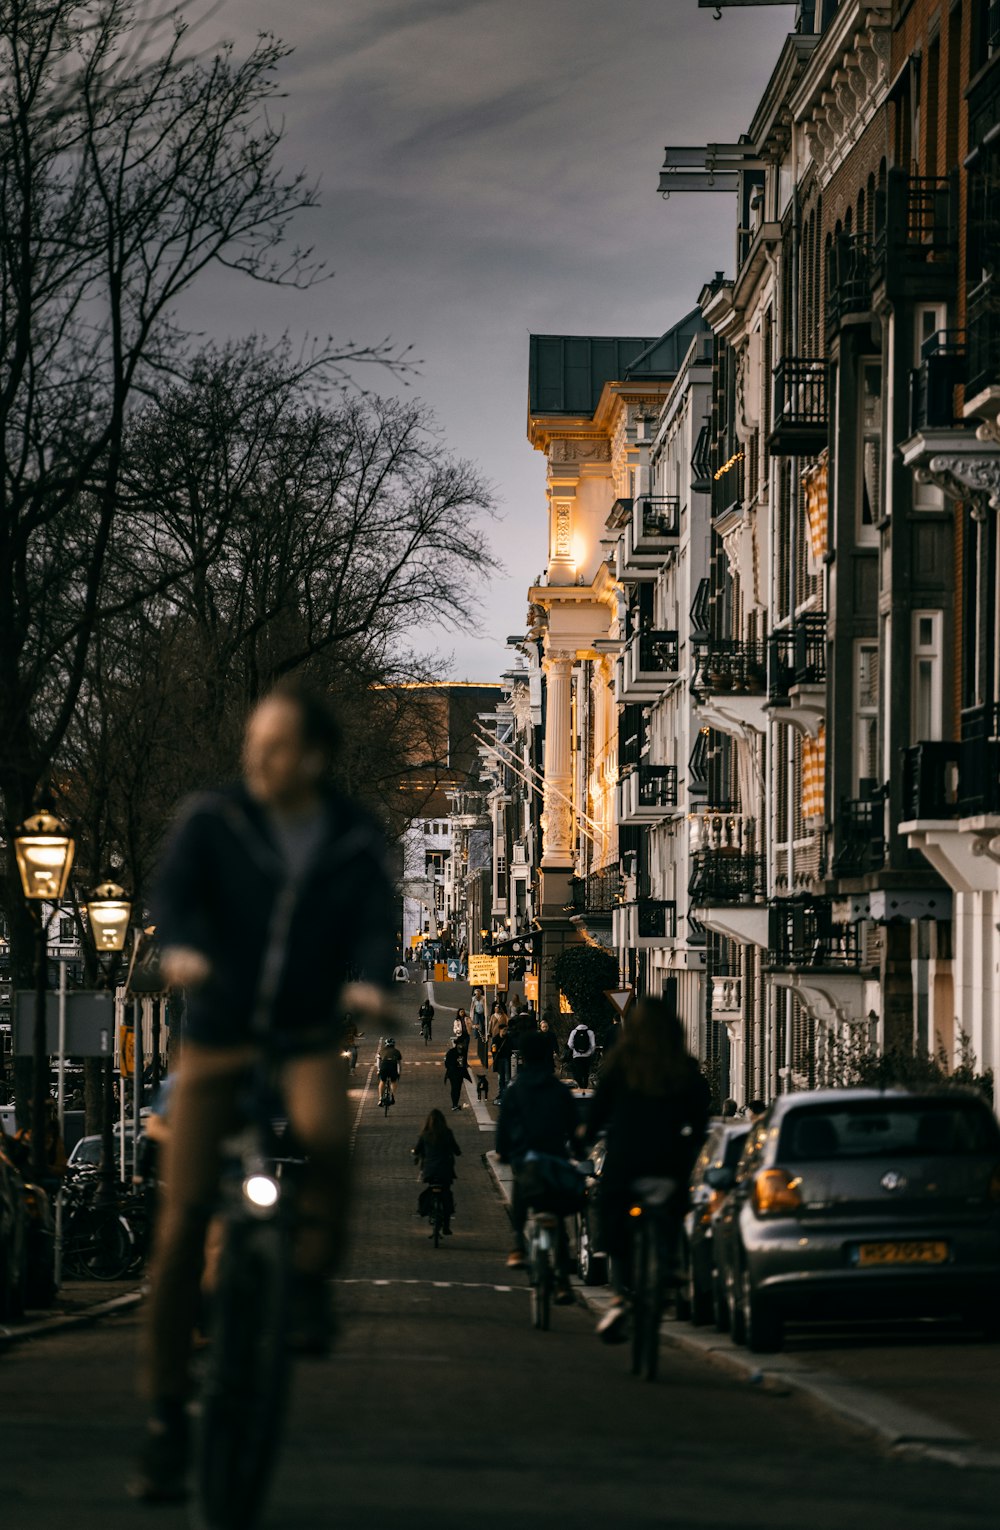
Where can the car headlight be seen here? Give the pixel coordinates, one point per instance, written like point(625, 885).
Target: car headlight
point(261, 1193)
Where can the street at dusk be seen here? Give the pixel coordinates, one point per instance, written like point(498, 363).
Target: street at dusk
point(500, 764)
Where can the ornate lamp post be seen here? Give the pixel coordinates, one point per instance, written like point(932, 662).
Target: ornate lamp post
point(44, 849)
point(109, 911)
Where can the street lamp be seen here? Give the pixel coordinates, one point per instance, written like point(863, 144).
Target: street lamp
point(108, 913)
point(43, 847)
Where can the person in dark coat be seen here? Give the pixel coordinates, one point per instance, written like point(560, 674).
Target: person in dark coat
point(652, 1103)
point(276, 913)
point(456, 1070)
point(537, 1116)
point(435, 1152)
point(502, 1053)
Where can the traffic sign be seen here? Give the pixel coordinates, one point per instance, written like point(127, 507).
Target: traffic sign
point(90, 1018)
point(621, 998)
point(488, 971)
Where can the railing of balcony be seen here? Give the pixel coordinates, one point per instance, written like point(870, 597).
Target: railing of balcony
point(656, 919)
point(921, 220)
point(729, 664)
point(859, 836)
point(657, 786)
point(800, 395)
point(797, 655)
point(701, 461)
point(632, 730)
point(697, 933)
point(803, 935)
point(718, 827)
point(848, 277)
point(952, 780)
point(659, 652)
point(698, 764)
point(603, 890)
point(932, 384)
point(983, 335)
point(720, 876)
point(660, 516)
point(727, 992)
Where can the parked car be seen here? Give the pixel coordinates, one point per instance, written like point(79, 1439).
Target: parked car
point(712, 1178)
point(13, 1239)
point(863, 1203)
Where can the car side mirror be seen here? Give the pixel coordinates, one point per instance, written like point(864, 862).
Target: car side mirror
point(720, 1178)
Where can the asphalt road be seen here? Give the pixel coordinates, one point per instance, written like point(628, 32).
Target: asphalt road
point(443, 1408)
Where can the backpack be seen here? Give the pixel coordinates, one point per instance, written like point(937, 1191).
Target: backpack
point(580, 1040)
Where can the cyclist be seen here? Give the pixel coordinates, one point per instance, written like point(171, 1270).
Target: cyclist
point(253, 882)
point(435, 1152)
point(426, 1016)
point(537, 1115)
point(651, 1102)
point(390, 1061)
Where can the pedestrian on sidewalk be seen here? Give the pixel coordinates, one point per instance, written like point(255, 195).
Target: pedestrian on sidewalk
point(456, 1071)
point(460, 1031)
point(435, 1152)
point(502, 1052)
point(581, 1048)
point(551, 1041)
point(479, 1024)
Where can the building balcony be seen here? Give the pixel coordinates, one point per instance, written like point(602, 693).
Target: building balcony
point(933, 383)
point(599, 892)
point(647, 794)
point(803, 935)
point(796, 673)
point(801, 418)
point(983, 336)
point(727, 997)
point(648, 666)
point(656, 921)
point(730, 684)
point(916, 247)
point(952, 792)
point(633, 735)
point(649, 532)
point(726, 876)
point(848, 279)
point(859, 836)
point(722, 826)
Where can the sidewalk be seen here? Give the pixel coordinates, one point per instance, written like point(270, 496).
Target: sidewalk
point(79, 1302)
point(881, 1389)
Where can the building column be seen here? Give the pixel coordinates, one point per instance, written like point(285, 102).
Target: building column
point(557, 817)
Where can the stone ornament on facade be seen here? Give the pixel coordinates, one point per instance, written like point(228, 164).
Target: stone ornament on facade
point(562, 542)
point(974, 478)
point(590, 449)
point(853, 96)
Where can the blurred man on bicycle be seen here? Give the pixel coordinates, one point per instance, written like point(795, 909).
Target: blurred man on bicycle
point(537, 1118)
point(276, 915)
point(390, 1062)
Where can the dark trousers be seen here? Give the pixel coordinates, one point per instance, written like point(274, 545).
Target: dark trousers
point(455, 1084)
point(519, 1208)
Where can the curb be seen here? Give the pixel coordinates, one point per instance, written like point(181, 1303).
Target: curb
point(44, 1326)
point(903, 1430)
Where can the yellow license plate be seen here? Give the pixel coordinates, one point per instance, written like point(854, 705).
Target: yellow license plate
point(902, 1253)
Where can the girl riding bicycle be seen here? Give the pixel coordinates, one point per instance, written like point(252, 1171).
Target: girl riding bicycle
point(435, 1152)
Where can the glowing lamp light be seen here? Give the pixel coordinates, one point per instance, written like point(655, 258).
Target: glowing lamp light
point(261, 1191)
point(44, 848)
point(109, 912)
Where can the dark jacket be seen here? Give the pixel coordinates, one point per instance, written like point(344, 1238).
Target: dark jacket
point(537, 1114)
point(455, 1066)
point(437, 1159)
point(656, 1135)
point(223, 890)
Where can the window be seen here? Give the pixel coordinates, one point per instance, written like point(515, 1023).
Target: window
point(870, 488)
point(929, 319)
point(866, 697)
point(67, 931)
point(925, 722)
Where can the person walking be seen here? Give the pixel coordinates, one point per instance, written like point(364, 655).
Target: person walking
point(652, 1103)
point(581, 1048)
point(435, 1152)
point(502, 1048)
point(255, 882)
point(477, 1015)
point(456, 1070)
point(551, 1040)
point(460, 1030)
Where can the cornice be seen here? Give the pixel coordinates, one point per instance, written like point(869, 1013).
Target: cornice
point(845, 85)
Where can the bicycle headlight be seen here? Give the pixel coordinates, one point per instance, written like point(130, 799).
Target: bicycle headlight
point(261, 1192)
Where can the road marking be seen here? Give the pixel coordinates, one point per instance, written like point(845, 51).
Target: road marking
point(361, 1104)
point(446, 1285)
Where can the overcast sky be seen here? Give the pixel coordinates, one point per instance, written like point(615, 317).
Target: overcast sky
point(488, 168)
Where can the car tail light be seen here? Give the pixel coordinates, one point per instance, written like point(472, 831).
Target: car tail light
point(995, 1184)
point(775, 1190)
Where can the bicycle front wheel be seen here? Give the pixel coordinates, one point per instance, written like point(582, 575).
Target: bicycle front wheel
point(109, 1249)
point(246, 1382)
point(541, 1290)
point(647, 1305)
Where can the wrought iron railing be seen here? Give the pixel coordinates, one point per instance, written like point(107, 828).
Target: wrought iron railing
point(797, 655)
point(698, 764)
point(603, 890)
point(801, 411)
point(848, 277)
point(660, 516)
point(859, 836)
point(932, 384)
point(701, 461)
point(657, 786)
point(723, 876)
point(983, 335)
point(804, 935)
point(729, 664)
point(946, 779)
point(659, 652)
point(920, 222)
point(656, 919)
point(632, 730)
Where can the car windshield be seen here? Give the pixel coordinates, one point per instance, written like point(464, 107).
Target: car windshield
point(876, 1128)
point(734, 1146)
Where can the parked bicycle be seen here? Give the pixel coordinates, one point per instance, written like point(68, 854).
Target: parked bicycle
point(97, 1241)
